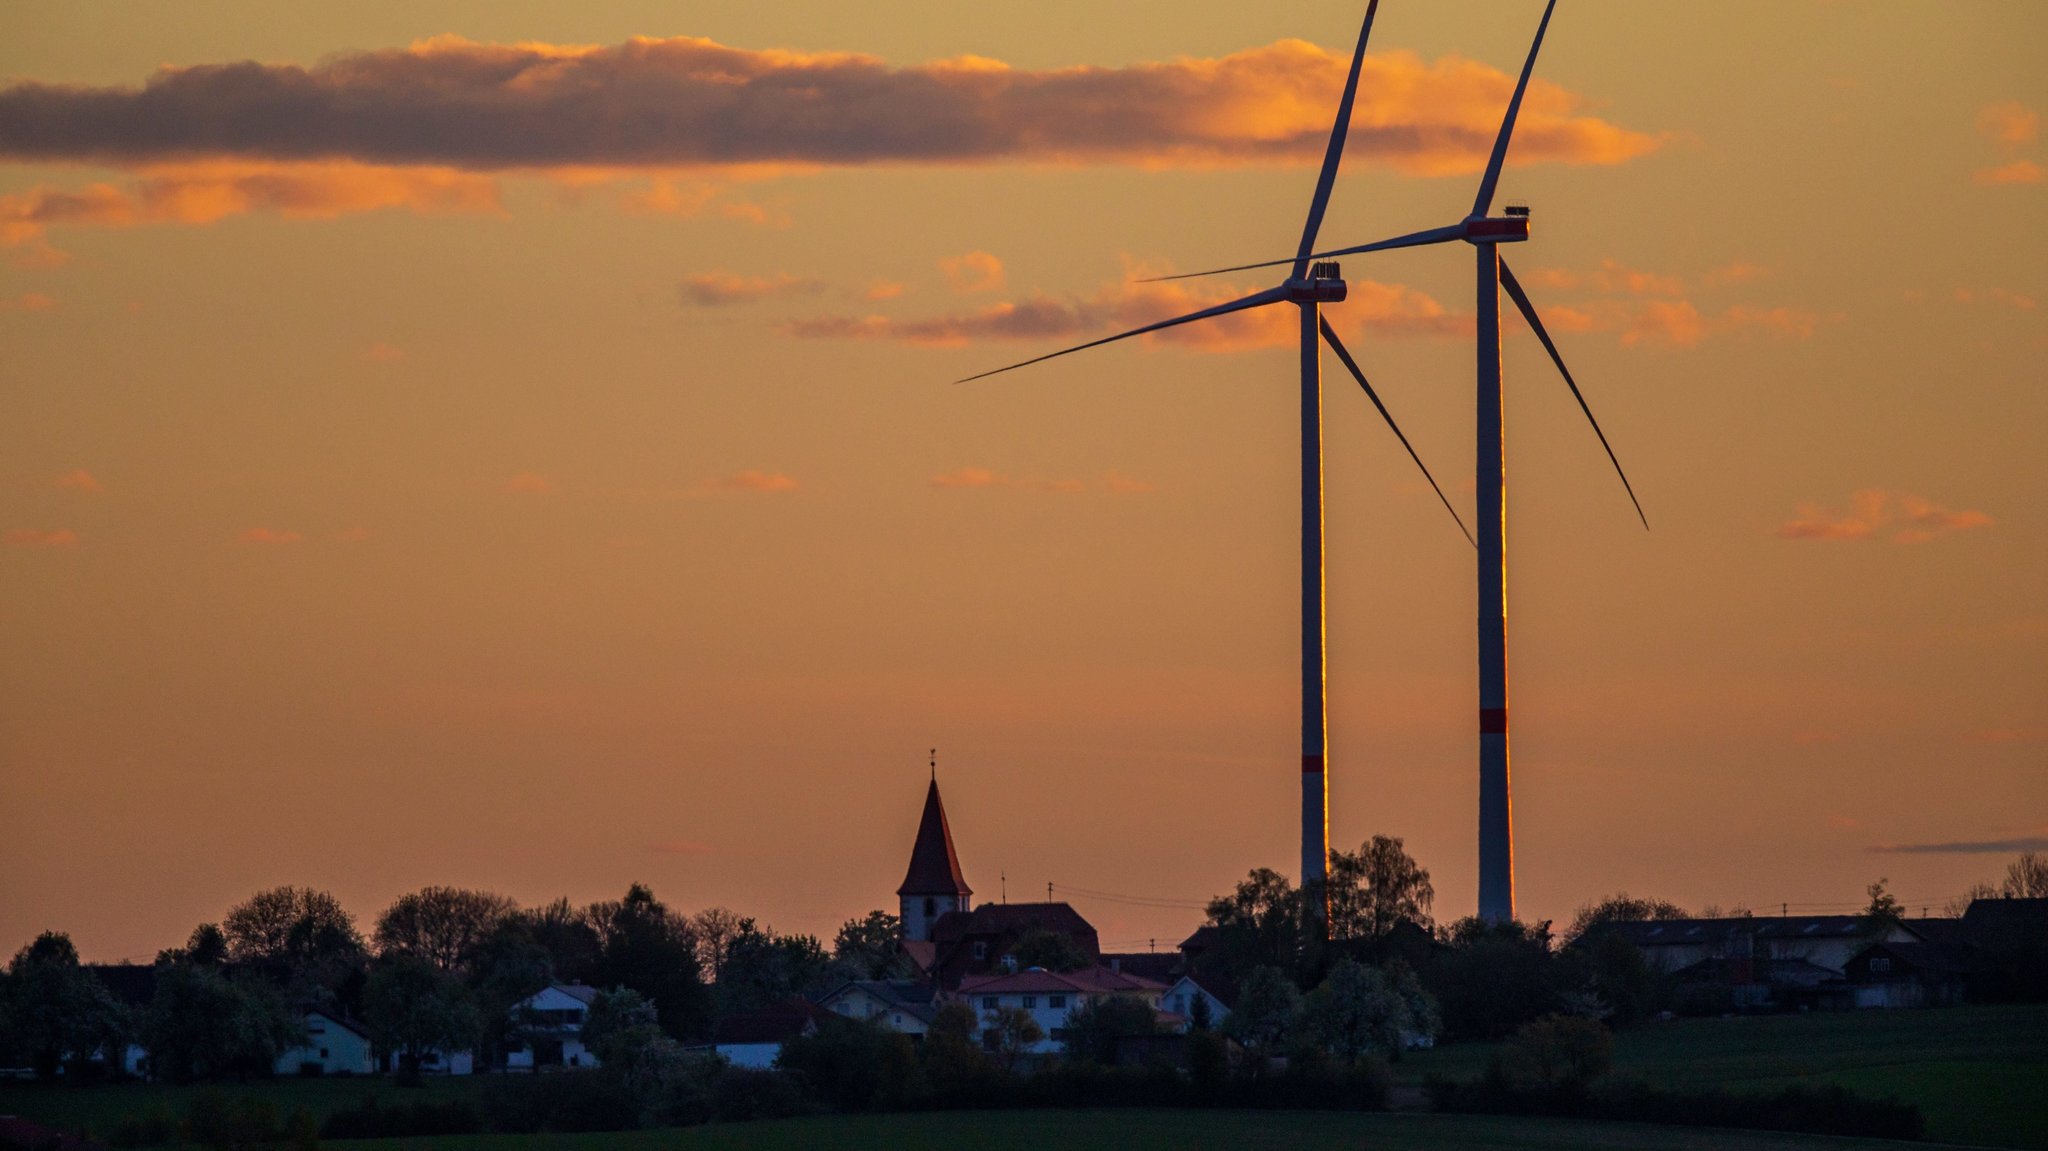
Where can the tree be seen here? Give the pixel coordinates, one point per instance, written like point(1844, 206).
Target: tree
point(413, 1008)
point(953, 1061)
point(853, 1064)
point(295, 935)
point(203, 1024)
point(1267, 1006)
point(1355, 1012)
point(650, 949)
point(206, 947)
point(1883, 912)
point(1095, 1029)
point(867, 948)
point(1558, 1054)
point(1051, 950)
point(1376, 887)
point(763, 968)
point(1490, 978)
point(1958, 907)
point(574, 948)
point(2027, 877)
point(56, 1010)
point(505, 968)
point(715, 928)
point(1621, 907)
point(442, 925)
point(1260, 925)
point(1013, 1033)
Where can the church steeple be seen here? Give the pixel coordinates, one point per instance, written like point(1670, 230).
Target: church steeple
point(933, 885)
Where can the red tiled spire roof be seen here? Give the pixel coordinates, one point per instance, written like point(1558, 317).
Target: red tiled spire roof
point(934, 868)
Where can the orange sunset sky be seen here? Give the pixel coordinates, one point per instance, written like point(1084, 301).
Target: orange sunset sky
point(510, 445)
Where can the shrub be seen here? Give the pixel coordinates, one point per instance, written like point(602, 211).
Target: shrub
point(1558, 1054)
point(369, 1120)
point(1821, 1110)
point(743, 1093)
point(597, 1100)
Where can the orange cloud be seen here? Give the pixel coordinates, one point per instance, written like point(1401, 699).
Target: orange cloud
point(1652, 307)
point(529, 484)
point(689, 103)
point(1111, 482)
point(202, 193)
point(2009, 122)
point(34, 538)
point(688, 199)
point(384, 353)
point(2016, 172)
point(1739, 272)
point(883, 290)
point(973, 272)
point(2001, 735)
point(1912, 518)
point(1670, 321)
point(1386, 309)
point(750, 481)
point(719, 289)
point(79, 480)
point(28, 302)
point(267, 536)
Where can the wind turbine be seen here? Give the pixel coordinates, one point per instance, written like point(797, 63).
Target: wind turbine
point(1486, 233)
point(1308, 287)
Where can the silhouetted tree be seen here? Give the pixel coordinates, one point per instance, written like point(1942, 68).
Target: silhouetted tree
point(1558, 1055)
point(1355, 1012)
point(867, 948)
point(203, 1024)
point(1012, 1032)
point(1376, 887)
point(298, 936)
point(763, 968)
point(1883, 912)
point(413, 1007)
point(442, 925)
point(953, 1062)
point(1052, 950)
point(1490, 978)
point(1095, 1029)
point(651, 949)
point(2026, 877)
point(205, 947)
point(715, 929)
point(574, 946)
point(1268, 1005)
point(54, 1010)
point(1620, 907)
point(1259, 924)
point(507, 966)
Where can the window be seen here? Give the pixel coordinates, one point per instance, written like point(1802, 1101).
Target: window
point(1056, 1001)
point(980, 950)
point(931, 907)
point(991, 1003)
point(1030, 1001)
point(1879, 966)
point(323, 1053)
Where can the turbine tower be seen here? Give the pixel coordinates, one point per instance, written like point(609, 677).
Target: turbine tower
point(1486, 233)
point(1308, 286)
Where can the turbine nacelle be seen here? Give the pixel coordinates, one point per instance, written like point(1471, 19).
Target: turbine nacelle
point(1323, 285)
point(1508, 229)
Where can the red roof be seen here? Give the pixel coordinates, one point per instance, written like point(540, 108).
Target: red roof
point(1092, 981)
point(778, 1024)
point(934, 868)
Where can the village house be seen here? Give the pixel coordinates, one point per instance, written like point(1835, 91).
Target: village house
point(548, 1029)
point(1824, 942)
point(901, 1005)
point(1049, 997)
point(1197, 999)
point(755, 1038)
point(334, 1045)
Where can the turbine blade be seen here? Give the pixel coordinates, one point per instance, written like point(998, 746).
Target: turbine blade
point(1412, 239)
point(1521, 298)
point(1484, 202)
point(1255, 300)
point(1340, 130)
point(1337, 346)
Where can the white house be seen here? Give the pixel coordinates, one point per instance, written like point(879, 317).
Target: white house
point(755, 1038)
point(1181, 997)
point(1049, 997)
point(549, 1029)
point(333, 1046)
point(902, 1005)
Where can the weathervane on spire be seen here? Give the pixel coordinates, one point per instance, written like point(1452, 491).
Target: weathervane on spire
point(935, 765)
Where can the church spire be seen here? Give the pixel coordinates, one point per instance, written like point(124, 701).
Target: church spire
point(934, 866)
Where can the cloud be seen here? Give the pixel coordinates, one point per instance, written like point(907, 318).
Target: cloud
point(680, 847)
point(28, 302)
point(1668, 321)
point(384, 353)
point(2016, 172)
point(720, 289)
point(973, 272)
point(2005, 735)
point(1914, 519)
point(1966, 846)
point(689, 199)
point(883, 290)
point(202, 193)
point(1794, 322)
point(529, 484)
point(354, 535)
point(689, 103)
point(2009, 122)
point(267, 536)
point(1739, 272)
point(1384, 309)
point(2013, 300)
point(1110, 482)
point(750, 481)
point(78, 480)
point(35, 538)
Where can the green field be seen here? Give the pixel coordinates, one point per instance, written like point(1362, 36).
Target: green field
point(1978, 1074)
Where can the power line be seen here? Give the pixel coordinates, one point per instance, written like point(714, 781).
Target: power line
point(1162, 901)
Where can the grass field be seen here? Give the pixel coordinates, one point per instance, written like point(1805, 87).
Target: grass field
point(1156, 1131)
point(1979, 1074)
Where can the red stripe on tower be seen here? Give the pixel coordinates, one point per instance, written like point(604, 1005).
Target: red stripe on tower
point(1493, 721)
point(1311, 763)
